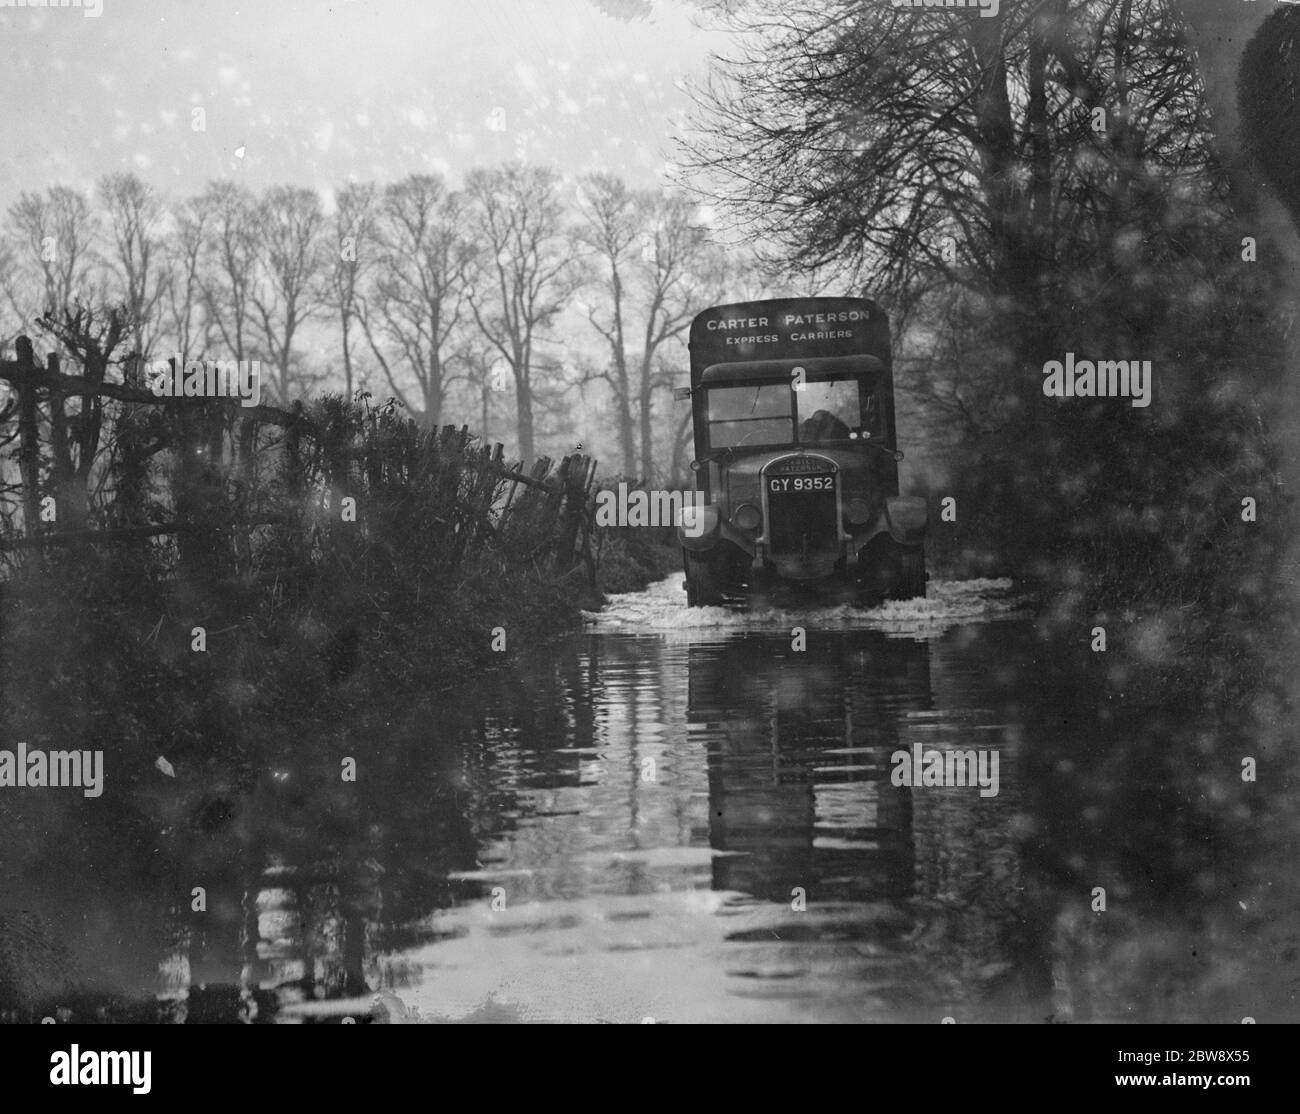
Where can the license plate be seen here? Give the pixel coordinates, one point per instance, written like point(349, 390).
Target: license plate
point(783, 485)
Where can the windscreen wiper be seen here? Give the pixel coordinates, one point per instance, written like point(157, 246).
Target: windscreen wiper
point(897, 454)
point(709, 458)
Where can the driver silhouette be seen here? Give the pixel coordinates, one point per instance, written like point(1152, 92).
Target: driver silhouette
point(822, 426)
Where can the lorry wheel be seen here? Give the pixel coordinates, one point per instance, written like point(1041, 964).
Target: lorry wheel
point(911, 574)
point(701, 590)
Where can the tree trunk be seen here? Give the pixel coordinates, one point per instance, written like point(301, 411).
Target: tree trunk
point(347, 356)
point(648, 469)
point(626, 433)
point(29, 453)
point(62, 472)
point(524, 416)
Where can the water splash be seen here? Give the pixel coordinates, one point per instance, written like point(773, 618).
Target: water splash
point(661, 608)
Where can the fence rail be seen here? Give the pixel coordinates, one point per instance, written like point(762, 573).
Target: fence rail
point(224, 481)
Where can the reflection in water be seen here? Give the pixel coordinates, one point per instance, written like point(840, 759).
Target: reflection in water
point(799, 764)
point(685, 829)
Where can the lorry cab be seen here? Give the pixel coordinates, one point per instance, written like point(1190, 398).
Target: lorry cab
point(796, 457)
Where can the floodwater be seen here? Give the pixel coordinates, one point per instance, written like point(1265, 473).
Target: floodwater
point(684, 815)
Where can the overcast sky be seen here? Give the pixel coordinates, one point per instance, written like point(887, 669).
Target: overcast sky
point(320, 92)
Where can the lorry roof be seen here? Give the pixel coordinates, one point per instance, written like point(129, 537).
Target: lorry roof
point(778, 370)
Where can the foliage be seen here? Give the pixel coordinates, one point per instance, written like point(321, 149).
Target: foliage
point(1018, 188)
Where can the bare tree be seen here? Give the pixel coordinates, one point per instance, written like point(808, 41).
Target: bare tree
point(225, 216)
point(356, 251)
point(291, 247)
point(11, 315)
point(54, 237)
point(612, 218)
point(527, 275)
point(680, 273)
point(479, 365)
point(136, 257)
point(186, 250)
point(1005, 154)
point(418, 295)
point(653, 262)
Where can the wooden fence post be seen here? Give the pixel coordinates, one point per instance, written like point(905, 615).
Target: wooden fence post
point(132, 466)
point(59, 448)
point(294, 471)
point(573, 496)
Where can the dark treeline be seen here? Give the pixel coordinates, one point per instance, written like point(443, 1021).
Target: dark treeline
point(504, 304)
point(1018, 188)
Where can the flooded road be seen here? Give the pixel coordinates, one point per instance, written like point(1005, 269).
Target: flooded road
point(684, 816)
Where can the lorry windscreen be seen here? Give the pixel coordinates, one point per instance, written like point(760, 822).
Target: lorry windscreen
point(779, 414)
